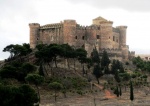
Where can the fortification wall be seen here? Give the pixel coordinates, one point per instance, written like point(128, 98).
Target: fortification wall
point(125, 52)
point(115, 40)
point(50, 33)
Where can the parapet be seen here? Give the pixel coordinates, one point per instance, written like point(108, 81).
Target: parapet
point(92, 27)
point(55, 25)
point(70, 21)
point(122, 27)
point(116, 30)
point(34, 24)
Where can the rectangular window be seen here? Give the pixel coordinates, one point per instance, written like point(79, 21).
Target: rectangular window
point(82, 37)
point(98, 36)
point(113, 38)
point(76, 37)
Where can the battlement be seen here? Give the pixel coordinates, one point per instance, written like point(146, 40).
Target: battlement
point(34, 24)
point(108, 49)
point(112, 52)
point(54, 25)
point(92, 27)
point(132, 52)
point(121, 27)
point(70, 22)
point(116, 30)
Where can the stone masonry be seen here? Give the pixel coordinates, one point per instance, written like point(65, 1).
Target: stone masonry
point(100, 34)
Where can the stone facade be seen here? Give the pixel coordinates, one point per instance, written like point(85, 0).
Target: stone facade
point(100, 34)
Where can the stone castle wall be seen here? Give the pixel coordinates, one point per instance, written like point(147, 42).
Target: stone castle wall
point(100, 34)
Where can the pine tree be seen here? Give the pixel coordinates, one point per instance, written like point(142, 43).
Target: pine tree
point(97, 72)
point(117, 92)
point(131, 91)
point(117, 78)
point(95, 56)
point(105, 60)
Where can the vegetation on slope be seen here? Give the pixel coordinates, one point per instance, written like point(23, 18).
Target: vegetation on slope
point(62, 69)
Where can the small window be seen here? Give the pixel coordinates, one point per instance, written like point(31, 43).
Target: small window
point(37, 39)
point(82, 37)
point(76, 37)
point(98, 28)
point(97, 36)
point(113, 38)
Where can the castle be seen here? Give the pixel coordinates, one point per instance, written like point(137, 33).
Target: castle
point(100, 34)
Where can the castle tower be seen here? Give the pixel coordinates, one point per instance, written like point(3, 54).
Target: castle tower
point(69, 31)
point(105, 28)
point(34, 34)
point(122, 30)
point(98, 20)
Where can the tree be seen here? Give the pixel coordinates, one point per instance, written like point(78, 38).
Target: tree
point(120, 91)
point(105, 60)
point(121, 68)
point(56, 87)
point(28, 68)
point(131, 91)
point(67, 52)
point(97, 72)
point(18, 50)
point(36, 80)
point(44, 56)
point(125, 77)
point(55, 50)
point(9, 48)
point(8, 72)
point(41, 72)
point(117, 77)
point(95, 56)
point(106, 70)
point(116, 91)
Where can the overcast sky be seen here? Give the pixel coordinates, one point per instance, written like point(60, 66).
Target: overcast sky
point(15, 15)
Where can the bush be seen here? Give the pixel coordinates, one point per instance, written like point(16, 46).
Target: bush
point(127, 63)
point(23, 95)
point(80, 92)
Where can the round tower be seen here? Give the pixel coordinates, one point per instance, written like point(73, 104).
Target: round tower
point(34, 34)
point(122, 30)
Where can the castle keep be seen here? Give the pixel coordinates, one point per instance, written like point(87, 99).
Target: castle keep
point(100, 34)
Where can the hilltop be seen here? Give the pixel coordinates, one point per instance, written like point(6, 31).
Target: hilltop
point(63, 76)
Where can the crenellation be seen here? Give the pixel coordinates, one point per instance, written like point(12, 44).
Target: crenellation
point(100, 34)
